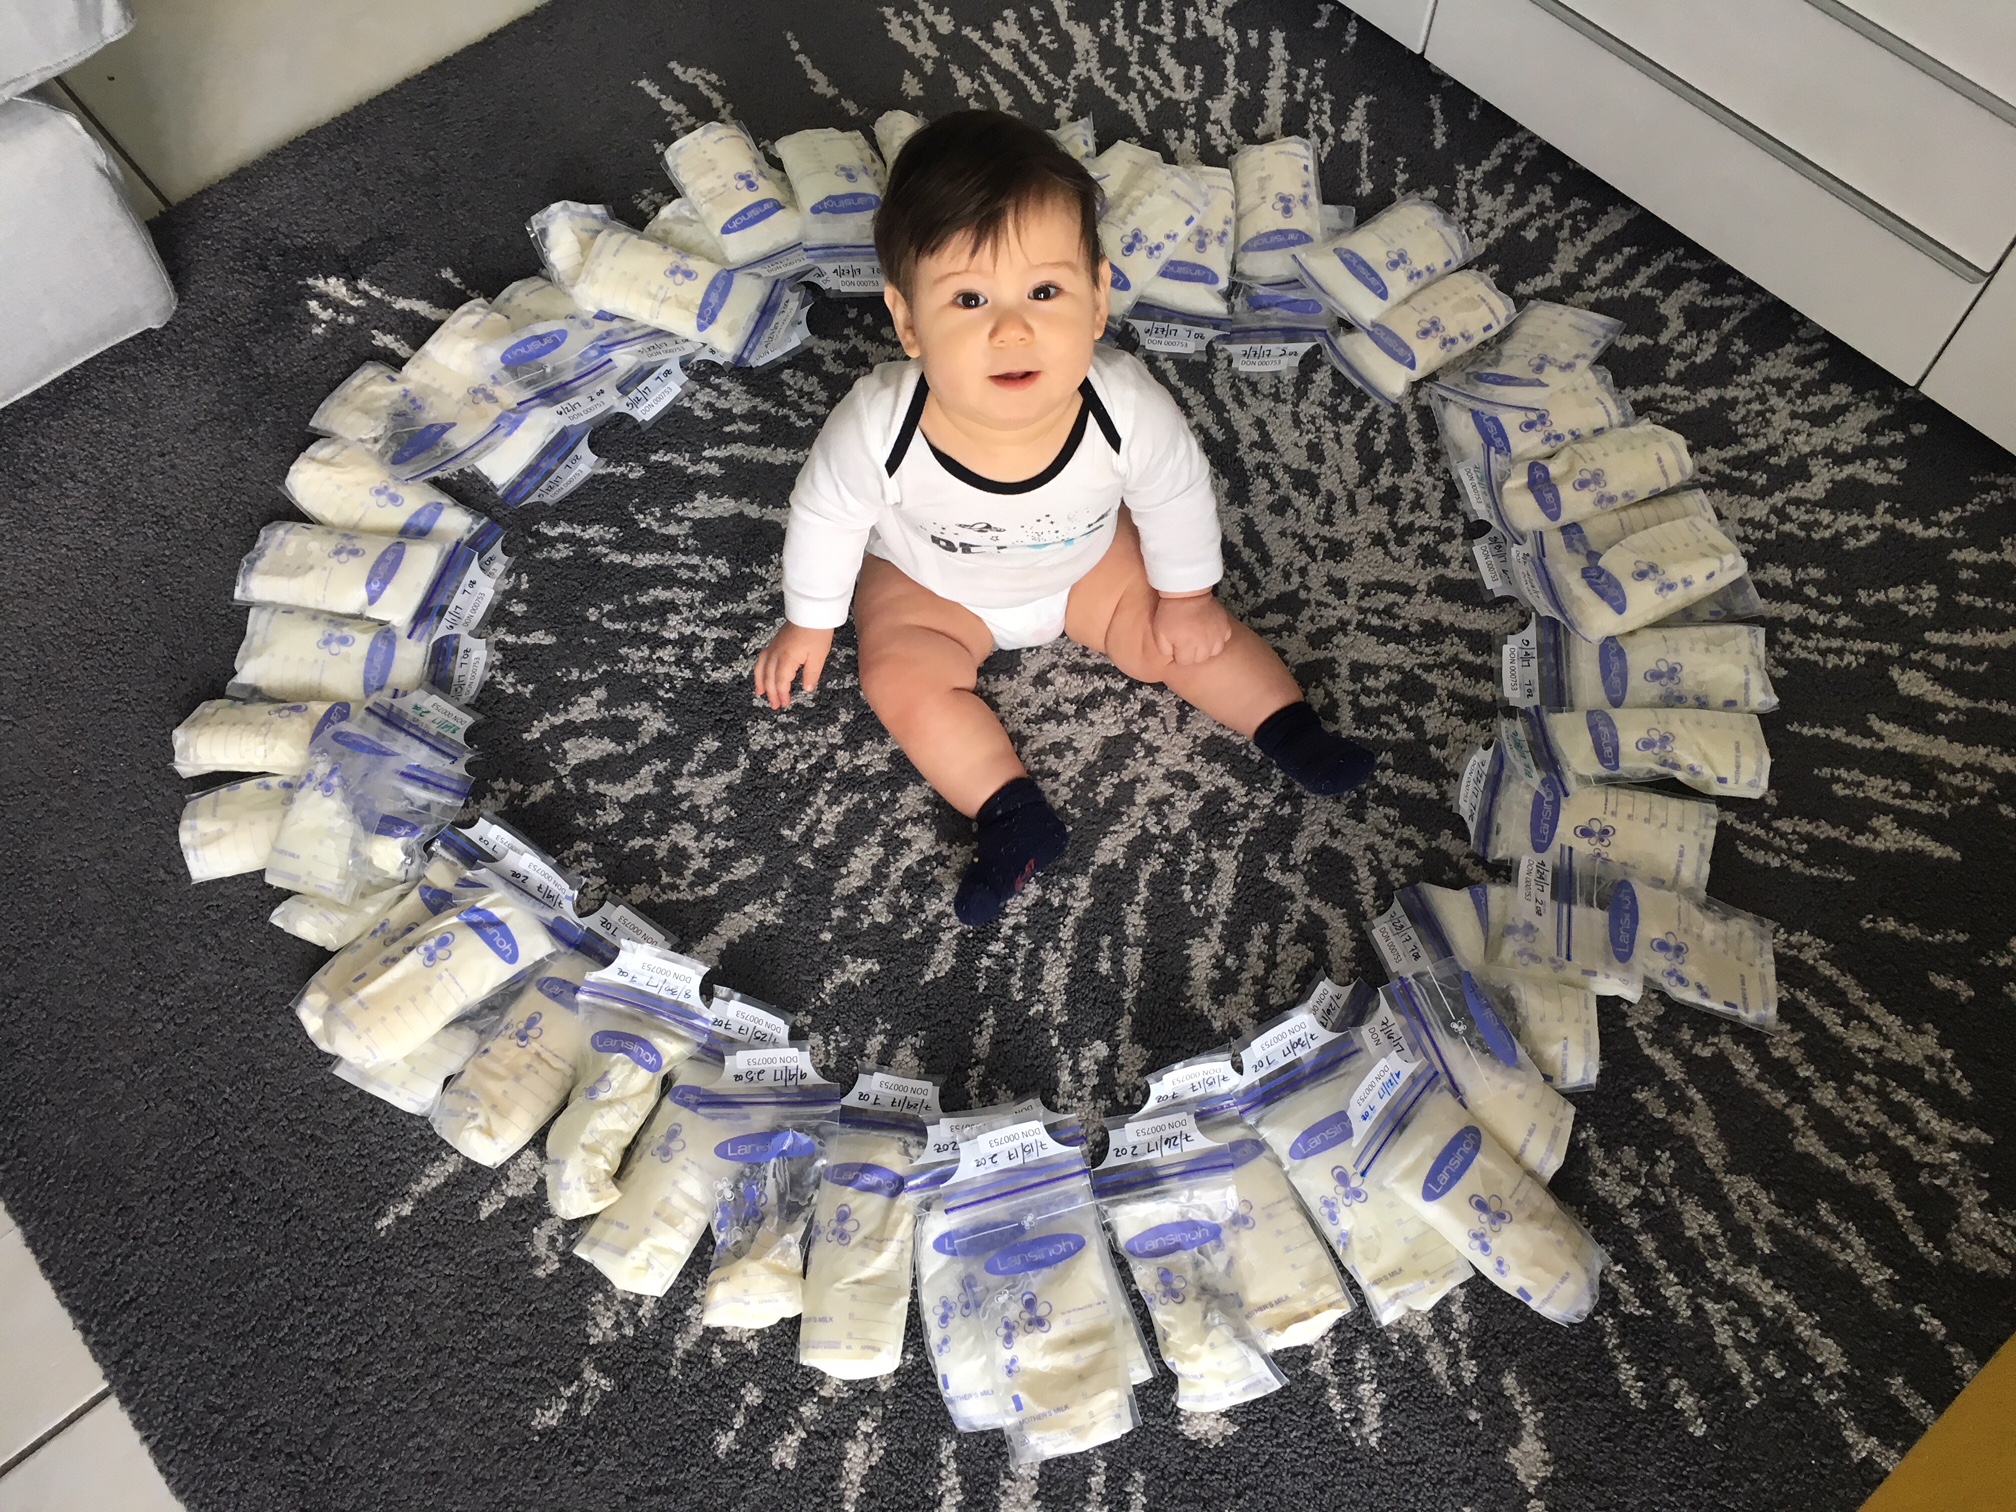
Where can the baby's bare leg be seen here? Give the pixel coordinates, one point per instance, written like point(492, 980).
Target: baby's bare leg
point(920, 657)
point(1112, 611)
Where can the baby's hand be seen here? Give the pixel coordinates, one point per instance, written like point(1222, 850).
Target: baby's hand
point(1192, 628)
point(777, 663)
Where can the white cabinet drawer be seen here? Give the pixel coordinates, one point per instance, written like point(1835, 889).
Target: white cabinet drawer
point(1974, 38)
point(1404, 21)
point(1975, 377)
point(1932, 157)
point(1818, 254)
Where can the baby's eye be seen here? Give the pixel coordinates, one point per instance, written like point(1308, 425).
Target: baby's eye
point(966, 299)
point(1045, 291)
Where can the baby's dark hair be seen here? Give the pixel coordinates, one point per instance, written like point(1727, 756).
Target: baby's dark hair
point(970, 174)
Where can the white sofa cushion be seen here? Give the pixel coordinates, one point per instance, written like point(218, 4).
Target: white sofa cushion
point(41, 38)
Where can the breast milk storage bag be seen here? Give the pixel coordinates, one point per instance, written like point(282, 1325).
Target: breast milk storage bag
point(524, 1072)
point(1439, 1162)
point(1718, 667)
point(229, 830)
point(231, 735)
point(1287, 1271)
point(859, 1266)
point(1308, 1093)
point(1168, 1197)
point(1697, 951)
point(1417, 337)
point(1280, 208)
point(1031, 1280)
point(1720, 754)
point(1367, 271)
point(739, 197)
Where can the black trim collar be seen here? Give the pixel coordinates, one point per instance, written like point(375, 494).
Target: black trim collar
point(1091, 409)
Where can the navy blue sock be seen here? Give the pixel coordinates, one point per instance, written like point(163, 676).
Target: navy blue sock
point(1318, 759)
point(1020, 834)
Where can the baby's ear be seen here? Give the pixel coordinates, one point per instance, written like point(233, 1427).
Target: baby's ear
point(1102, 294)
point(899, 313)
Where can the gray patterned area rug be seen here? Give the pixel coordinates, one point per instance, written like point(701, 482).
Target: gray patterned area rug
point(305, 1302)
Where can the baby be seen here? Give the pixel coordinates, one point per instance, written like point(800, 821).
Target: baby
point(1011, 482)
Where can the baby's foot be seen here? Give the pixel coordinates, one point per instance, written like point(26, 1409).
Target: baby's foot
point(1020, 834)
point(1318, 759)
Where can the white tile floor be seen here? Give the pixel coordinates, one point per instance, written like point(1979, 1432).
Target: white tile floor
point(65, 1444)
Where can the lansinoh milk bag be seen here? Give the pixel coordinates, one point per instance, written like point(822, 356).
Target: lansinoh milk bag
point(1401, 250)
point(1280, 208)
point(739, 196)
point(1415, 338)
point(1168, 1197)
point(1666, 666)
point(859, 1268)
point(1588, 477)
point(1712, 752)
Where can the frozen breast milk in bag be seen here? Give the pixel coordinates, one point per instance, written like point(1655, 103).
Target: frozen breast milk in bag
point(524, 1072)
point(332, 925)
point(1708, 750)
point(1168, 1197)
point(678, 225)
point(1554, 1023)
point(1308, 1093)
point(642, 1015)
point(1590, 476)
point(1143, 224)
point(1195, 278)
point(859, 1268)
point(413, 1082)
point(417, 985)
point(302, 654)
point(1515, 809)
point(1415, 338)
point(1075, 137)
point(231, 735)
point(766, 1107)
point(837, 180)
point(739, 197)
point(1548, 344)
point(1280, 208)
point(892, 129)
point(1370, 269)
point(230, 830)
point(563, 232)
point(636, 277)
point(1287, 1271)
point(1643, 579)
point(1432, 1156)
point(1447, 1014)
point(1536, 929)
point(414, 428)
point(340, 484)
point(1029, 1264)
point(1697, 951)
point(1665, 666)
point(1517, 425)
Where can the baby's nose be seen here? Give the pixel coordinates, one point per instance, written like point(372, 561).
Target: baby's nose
point(1013, 330)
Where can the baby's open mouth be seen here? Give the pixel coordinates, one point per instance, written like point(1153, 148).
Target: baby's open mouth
point(1014, 380)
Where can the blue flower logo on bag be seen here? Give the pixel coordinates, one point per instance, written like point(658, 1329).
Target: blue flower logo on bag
point(1623, 922)
point(1038, 1252)
point(532, 348)
point(943, 1312)
point(1546, 815)
point(1451, 1162)
point(616, 1042)
point(1656, 741)
point(437, 951)
point(422, 521)
point(1603, 583)
point(713, 297)
point(378, 660)
point(1665, 675)
point(1594, 833)
point(1604, 739)
point(1540, 481)
point(1170, 1288)
point(745, 181)
point(681, 271)
point(1674, 949)
point(492, 931)
point(1035, 1313)
point(1168, 1238)
point(668, 1148)
point(346, 550)
point(335, 642)
point(843, 1226)
point(529, 1031)
point(387, 496)
point(750, 215)
point(1243, 1219)
point(863, 1176)
point(1348, 1191)
point(386, 568)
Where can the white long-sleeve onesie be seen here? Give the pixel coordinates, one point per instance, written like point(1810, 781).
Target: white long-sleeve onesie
point(874, 484)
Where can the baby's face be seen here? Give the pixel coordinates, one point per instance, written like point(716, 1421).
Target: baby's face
point(1006, 336)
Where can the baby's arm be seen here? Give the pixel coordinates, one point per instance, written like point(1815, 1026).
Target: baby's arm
point(1168, 489)
point(833, 509)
